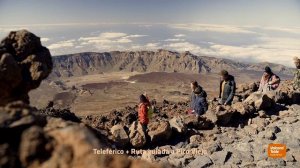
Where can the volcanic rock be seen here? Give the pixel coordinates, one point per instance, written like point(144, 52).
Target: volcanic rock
point(137, 135)
point(119, 135)
point(159, 132)
point(24, 63)
point(260, 101)
point(177, 124)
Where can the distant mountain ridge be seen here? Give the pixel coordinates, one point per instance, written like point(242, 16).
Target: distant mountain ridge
point(150, 61)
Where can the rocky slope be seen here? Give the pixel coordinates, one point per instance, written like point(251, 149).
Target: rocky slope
point(236, 136)
point(42, 138)
point(150, 61)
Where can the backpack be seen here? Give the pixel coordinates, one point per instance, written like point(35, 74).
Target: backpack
point(150, 112)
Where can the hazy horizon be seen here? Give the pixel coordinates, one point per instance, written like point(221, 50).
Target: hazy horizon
point(248, 31)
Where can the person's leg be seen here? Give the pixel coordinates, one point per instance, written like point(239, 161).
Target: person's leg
point(145, 129)
point(144, 126)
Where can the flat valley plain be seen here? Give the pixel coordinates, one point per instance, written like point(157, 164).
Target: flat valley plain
point(102, 93)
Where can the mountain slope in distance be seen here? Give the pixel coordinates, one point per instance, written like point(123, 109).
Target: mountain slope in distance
point(150, 61)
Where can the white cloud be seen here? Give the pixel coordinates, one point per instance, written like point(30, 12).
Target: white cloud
point(179, 35)
point(183, 46)
point(44, 39)
point(174, 40)
point(254, 53)
point(110, 40)
point(270, 49)
point(152, 45)
point(136, 36)
point(293, 30)
point(62, 44)
point(146, 25)
point(272, 44)
point(212, 28)
point(147, 46)
point(282, 43)
point(111, 35)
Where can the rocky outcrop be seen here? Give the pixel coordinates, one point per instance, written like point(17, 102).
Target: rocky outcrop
point(177, 124)
point(261, 101)
point(137, 135)
point(224, 114)
point(198, 122)
point(244, 108)
point(159, 132)
point(119, 134)
point(24, 63)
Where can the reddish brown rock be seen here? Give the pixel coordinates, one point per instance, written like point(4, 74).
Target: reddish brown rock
point(24, 63)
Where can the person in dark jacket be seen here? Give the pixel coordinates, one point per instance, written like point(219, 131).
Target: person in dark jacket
point(199, 103)
point(227, 88)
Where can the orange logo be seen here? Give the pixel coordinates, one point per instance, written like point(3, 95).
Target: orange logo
point(277, 150)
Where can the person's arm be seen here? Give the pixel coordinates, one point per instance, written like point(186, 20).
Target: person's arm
point(275, 80)
point(232, 92)
point(204, 105)
point(191, 100)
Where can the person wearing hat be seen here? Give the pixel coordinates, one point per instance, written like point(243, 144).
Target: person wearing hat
point(296, 81)
point(227, 88)
point(269, 81)
point(199, 103)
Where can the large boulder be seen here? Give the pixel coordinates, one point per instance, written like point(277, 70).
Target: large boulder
point(244, 90)
point(136, 135)
point(286, 94)
point(243, 108)
point(198, 122)
point(177, 124)
point(119, 134)
point(24, 63)
point(159, 132)
point(224, 114)
point(261, 101)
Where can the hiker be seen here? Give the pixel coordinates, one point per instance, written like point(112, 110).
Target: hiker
point(227, 88)
point(143, 111)
point(269, 81)
point(199, 103)
point(296, 84)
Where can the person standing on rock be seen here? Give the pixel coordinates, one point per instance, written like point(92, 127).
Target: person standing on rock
point(296, 81)
point(199, 103)
point(269, 81)
point(143, 111)
point(227, 88)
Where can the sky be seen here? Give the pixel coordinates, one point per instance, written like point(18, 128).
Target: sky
point(243, 30)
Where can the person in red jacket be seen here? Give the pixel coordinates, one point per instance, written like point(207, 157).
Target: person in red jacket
point(143, 111)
